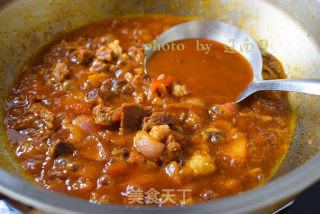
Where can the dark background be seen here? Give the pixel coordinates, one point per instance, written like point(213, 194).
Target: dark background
point(306, 203)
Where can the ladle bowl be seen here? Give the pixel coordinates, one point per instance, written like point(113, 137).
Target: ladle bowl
point(241, 42)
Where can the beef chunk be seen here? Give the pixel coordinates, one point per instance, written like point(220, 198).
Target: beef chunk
point(62, 148)
point(106, 89)
point(139, 81)
point(93, 97)
point(132, 116)
point(98, 66)
point(158, 118)
point(127, 89)
point(104, 54)
point(121, 87)
point(60, 72)
point(214, 135)
point(107, 116)
point(82, 56)
point(113, 87)
point(109, 52)
point(173, 150)
point(118, 86)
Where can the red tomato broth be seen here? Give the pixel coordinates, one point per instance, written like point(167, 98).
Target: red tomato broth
point(214, 75)
point(102, 140)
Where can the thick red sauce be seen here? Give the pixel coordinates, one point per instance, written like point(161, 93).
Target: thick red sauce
point(211, 73)
point(83, 119)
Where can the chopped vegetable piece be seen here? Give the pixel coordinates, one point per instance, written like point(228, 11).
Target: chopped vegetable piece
point(86, 123)
point(148, 146)
point(164, 83)
point(97, 79)
point(201, 164)
point(237, 149)
point(160, 132)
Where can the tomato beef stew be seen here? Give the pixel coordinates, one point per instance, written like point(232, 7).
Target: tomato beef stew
point(85, 120)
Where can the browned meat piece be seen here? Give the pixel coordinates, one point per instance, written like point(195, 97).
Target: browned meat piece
point(136, 53)
point(158, 118)
point(127, 89)
point(107, 116)
point(195, 118)
point(139, 81)
point(104, 53)
point(132, 116)
point(82, 56)
point(60, 72)
point(118, 86)
point(108, 52)
point(61, 148)
point(93, 97)
point(40, 111)
point(112, 87)
point(172, 151)
point(106, 89)
point(272, 68)
point(214, 135)
point(122, 87)
point(98, 66)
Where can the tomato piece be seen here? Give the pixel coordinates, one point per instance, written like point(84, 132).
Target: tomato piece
point(120, 167)
point(162, 83)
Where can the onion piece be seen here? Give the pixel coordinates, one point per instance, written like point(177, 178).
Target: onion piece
point(85, 123)
point(148, 146)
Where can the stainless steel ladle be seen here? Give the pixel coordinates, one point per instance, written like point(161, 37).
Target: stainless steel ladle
point(224, 33)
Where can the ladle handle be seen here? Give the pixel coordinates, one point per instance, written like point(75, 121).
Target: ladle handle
point(309, 86)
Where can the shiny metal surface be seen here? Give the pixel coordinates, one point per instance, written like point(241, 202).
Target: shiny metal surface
point(293, 85)
point(291, 28)
point(224, 33)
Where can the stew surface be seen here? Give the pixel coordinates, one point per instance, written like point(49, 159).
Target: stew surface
point(85, 120)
